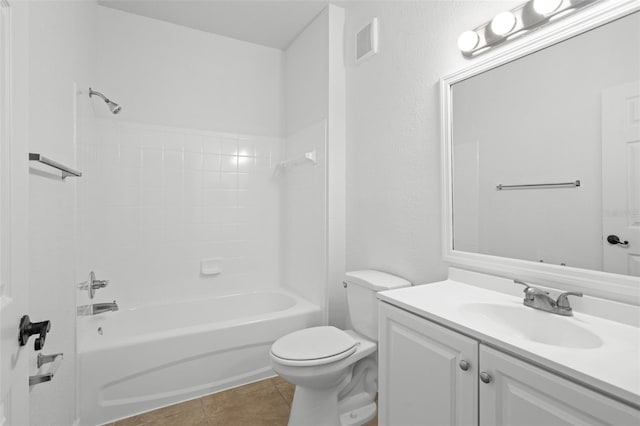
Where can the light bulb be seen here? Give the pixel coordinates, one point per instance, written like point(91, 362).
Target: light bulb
point(467, 41)
point(546, 7)
point(503, 23)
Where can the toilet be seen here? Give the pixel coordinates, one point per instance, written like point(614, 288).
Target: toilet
point(336, 371)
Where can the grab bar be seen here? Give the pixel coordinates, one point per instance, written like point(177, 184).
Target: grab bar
point(66, 171)
point(56, 359)
point(500, 187)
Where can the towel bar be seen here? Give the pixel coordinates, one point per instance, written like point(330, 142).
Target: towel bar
point(66, 171)
point(500, 187)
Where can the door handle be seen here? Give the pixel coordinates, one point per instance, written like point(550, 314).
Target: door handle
point(615, 240)
point(27, 329)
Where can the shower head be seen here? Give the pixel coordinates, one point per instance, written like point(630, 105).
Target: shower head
point(113, 107)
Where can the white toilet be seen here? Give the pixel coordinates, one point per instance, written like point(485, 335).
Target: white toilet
point(336, 371)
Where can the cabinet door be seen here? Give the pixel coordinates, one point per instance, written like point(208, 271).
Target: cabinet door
point(420, 378)
point(521, 394)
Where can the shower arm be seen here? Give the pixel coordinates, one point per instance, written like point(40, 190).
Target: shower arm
point(113, 107)
point(100, 95)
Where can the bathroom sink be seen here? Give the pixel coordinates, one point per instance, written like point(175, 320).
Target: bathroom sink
point(534, 325)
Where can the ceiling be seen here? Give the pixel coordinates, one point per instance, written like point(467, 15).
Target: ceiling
point(268, 23)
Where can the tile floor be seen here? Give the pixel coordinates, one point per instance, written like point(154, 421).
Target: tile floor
point(263, 403)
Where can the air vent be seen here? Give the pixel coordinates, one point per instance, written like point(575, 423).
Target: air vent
point(367, 41)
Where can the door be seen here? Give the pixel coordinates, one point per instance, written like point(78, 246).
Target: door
point(427, 373)
point(519, 394)
point(14, 375)
point(621, 178)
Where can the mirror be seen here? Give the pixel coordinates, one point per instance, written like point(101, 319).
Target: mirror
point(542, 154)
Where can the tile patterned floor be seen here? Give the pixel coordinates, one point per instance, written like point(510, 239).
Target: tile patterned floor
point(264, 403)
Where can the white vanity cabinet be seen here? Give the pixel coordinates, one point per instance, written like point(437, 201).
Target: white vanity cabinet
point(421, 382)
point(519, 393)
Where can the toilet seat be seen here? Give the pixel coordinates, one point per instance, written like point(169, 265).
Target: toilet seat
point(313, 346)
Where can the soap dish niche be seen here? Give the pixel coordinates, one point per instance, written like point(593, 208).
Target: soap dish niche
point(211, 266)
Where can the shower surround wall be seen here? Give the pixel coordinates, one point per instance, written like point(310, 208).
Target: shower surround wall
point(158, 200)
point(184, 173)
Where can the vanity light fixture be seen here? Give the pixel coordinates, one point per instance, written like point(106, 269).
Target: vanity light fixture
point(518, 21)
point(503, 23)
point(546, 7)
point(468, 41)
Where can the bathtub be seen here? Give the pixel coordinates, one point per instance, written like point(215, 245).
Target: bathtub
point(138, 359)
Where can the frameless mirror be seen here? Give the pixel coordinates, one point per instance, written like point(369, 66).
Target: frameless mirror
point(544, 153)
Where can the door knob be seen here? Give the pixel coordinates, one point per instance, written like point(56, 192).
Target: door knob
point(485, 377)
point(27, 328)
point(614, 239)
point(464, 365)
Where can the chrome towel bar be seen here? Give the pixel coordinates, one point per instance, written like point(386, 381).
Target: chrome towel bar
point(66, 171)
point(500, 187)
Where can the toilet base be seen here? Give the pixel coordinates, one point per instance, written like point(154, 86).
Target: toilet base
point(318, 407)
point(313, 407)
point(359, 416)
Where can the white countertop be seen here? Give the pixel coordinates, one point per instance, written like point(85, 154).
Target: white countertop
point(613, 368)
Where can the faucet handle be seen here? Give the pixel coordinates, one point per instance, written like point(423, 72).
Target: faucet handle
point(526, 286)
point(93, 284)
point(531, 292)
point(563, 301)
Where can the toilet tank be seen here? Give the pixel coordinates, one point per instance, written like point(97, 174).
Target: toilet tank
point(362, 287)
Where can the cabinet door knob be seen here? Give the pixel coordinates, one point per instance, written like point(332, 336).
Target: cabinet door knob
point(464, 365)
point(485, 377)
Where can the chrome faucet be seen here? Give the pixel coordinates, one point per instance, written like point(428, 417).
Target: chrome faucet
point(100, 308)
point(96, 308)
point(540, 299)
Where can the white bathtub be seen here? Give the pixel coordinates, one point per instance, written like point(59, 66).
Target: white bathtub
point(157, 355)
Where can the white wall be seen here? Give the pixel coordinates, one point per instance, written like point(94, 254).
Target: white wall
point(393, 132)
point(313, 197)
point(307, 75)
point(336, 153)
point(60, 47)
point(538, 120)
point(171, 75)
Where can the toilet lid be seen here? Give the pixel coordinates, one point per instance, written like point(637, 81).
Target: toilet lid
point(316, 345)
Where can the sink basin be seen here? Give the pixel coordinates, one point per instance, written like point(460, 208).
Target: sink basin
point(534, 325)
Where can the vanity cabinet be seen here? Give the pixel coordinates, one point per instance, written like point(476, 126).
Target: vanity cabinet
point(522, 394)
point(427, 374)
point(432, 375)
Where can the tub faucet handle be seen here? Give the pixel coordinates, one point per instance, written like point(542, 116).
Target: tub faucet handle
point(96, 284)
point(92, 284)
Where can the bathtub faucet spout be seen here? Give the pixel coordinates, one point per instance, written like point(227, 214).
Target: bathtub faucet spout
point(100, 308)
point(97, 308)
